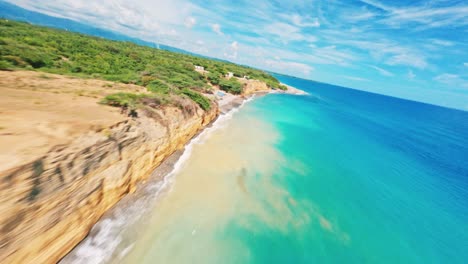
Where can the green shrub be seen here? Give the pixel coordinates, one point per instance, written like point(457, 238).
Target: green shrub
point(282, 87)
point(5, 65)
point(15, 60)
point(201, 100)
point(214, 77)
point(157, 86)
point(232, 86)
point(121, 100)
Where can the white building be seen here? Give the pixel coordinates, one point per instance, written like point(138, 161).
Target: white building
point(229, 75)
point(199, 68)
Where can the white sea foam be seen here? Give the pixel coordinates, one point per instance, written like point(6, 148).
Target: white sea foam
point(106, 236)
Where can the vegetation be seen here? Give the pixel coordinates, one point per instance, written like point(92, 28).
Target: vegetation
point(56, 51)
point(201, 100)
point(5, 65)
point(122, 100)
point(214, 77)
point(232, 86)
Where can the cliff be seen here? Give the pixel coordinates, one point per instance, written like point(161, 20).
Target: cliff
point(253, 86)
point(49, 205)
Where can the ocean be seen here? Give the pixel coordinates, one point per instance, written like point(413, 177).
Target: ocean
point(337, 176)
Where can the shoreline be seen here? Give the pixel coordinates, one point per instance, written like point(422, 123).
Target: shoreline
point(294, 90)
point(104, 239)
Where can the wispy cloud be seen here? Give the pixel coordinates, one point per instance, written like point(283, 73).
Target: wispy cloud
point(301, 21)
point(427, 16)
point(285, 32)
point(444, 43)
point(382, 71)
point(454, 80)
point(288, 66)
point(409, 60)
point(354, 78)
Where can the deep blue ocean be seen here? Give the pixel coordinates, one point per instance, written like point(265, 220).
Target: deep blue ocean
point(337, 176)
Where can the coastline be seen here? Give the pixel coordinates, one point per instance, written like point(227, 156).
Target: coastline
point(106, 235)
point(104, 161)
point(294, 90)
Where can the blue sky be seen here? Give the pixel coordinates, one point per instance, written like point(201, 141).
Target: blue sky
point(410, 49)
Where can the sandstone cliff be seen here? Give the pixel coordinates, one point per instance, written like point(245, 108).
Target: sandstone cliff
point(253, 86)
point(49, 205)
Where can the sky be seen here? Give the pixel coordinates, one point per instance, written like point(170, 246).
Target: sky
point(410, 49)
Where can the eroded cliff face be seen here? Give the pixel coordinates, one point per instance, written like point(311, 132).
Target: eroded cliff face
point(48, 206)
point(254, 86)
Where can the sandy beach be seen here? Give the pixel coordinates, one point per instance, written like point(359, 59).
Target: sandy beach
point(294, 90)
point(134, 206)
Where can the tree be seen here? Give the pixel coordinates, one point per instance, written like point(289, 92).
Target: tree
point(214, 77)
point(231, 86)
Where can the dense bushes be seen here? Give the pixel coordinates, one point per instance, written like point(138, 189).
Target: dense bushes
point(214, 77)
point(162, 72)
point(133, 101)
point(5, 65)
point(25, 45)
point(201, 100)
point(232, 86)
point(122, 100)
point(157, 86)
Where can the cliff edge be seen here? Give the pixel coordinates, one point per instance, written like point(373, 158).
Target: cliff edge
point(49, 204)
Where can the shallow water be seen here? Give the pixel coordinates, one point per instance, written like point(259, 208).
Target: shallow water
point(340, 176)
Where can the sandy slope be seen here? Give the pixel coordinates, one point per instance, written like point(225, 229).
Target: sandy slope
point(39, 110)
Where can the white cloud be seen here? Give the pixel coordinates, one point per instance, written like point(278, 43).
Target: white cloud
point(286, 32)
point(444, 43)
point(235, 45)
point(301, 21)
point(382, 71)
point(362, 14)
point(150, 20)
point(377, 5)
point(386, 51)
point(190, 22)
point(217, 29)
point(452, 79)
point(430, 17)
point(408, 60)
point(288, 66)
point(232, 50)
point(410, 75)
point(427, 16)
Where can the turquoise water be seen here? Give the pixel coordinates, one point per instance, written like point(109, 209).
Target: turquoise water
point(339, 176)
point(390, 175)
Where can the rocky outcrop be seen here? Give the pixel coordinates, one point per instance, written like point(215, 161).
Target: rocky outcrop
point(253, 86)
point(48, 206)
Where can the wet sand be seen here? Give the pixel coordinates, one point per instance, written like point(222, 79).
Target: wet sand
point(154, 206)
point(227, 181)
point(104, 240)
